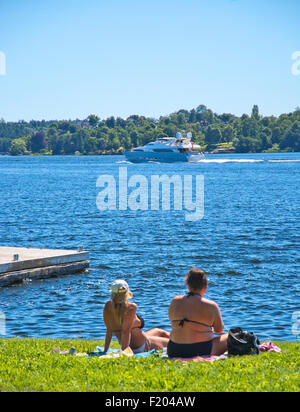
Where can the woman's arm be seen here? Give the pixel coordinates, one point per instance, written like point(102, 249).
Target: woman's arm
point(129, 317)
point(108, 336)
point(218, 324)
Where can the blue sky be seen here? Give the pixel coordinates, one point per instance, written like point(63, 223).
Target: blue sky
point(66, 59)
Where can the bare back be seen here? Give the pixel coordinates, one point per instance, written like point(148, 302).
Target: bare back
point(194, 319)
point(131, 324)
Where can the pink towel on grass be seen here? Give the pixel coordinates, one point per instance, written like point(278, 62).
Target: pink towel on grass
point(264, 347)
point(269, 347)
point(200, 359)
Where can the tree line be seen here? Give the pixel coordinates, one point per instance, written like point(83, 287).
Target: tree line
point(244, 134)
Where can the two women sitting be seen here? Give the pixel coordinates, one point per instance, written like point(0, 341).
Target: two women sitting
point(195, 320)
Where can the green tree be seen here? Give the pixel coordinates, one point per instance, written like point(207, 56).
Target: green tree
point(246, 144)
point(292, 138)
point(90, 145)
point(213, 136)
point(18, 147)
point(55, 143)
point(4, 145)
point(193, 117)
point(69, 147)
point(115, 143)
point(276, 134)
point(201, 109)
point(208, 116)
point(64, 126)
point(265, 138)
point(170, 130)
point(199, 138)
point(250, 127)
point(93, 120)
point(111, 122)
point(228, 134)
point(79, 138)
point(255, 112)
point(38, 142)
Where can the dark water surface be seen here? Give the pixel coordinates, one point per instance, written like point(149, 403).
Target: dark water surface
point(248, 242)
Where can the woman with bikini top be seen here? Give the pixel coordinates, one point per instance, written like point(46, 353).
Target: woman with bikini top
point(121, 320)
point(195, 320)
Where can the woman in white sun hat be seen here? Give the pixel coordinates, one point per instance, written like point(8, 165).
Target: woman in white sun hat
point(121, 320)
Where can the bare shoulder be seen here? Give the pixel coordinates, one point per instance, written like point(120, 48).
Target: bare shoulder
point(108, 305)
point(132, 307)
point(175, 302)
point(176, 298)
point(210, 303)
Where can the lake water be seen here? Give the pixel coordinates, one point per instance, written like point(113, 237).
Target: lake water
point(248, 242)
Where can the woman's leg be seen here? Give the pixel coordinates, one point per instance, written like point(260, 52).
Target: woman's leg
point(157, 338)
point(219, 345)
point(156, 332)
point(157, 342)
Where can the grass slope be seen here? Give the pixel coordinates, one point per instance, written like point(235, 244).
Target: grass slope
point(26, 365)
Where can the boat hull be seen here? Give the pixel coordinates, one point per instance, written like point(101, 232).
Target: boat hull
point(169, 157)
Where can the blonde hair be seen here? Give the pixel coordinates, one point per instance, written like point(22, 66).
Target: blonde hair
point(120, 303)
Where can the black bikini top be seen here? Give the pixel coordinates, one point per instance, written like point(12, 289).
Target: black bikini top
point(193, 294)
point(182, 321)
point(142, 322)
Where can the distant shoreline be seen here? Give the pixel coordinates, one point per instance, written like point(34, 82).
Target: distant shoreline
point(214, 133)
point(214, 152)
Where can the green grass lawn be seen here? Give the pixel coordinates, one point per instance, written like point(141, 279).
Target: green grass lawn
point(27, 365)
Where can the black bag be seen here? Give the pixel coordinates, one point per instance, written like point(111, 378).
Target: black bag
point(242, 343)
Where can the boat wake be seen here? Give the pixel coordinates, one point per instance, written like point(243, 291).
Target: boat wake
point(283, 160)
point(221, 161)
point(228, 161)
point(246, 161)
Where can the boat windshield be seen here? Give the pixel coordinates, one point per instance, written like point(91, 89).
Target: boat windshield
point(164, 140)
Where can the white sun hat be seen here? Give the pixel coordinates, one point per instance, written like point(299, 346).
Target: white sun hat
point(119, 286)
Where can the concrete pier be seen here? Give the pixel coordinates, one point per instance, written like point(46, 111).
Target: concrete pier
point(18, 264)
